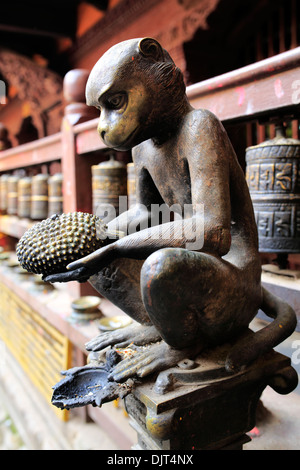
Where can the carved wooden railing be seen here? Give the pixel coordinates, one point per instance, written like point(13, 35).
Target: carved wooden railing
point(267, 89)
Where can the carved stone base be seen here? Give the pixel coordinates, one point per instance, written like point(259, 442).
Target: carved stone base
point(181, 411)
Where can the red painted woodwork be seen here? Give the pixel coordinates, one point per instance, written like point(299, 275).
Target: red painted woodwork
point(268, 87)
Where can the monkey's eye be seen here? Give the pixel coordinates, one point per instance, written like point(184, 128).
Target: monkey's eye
point(116, 101)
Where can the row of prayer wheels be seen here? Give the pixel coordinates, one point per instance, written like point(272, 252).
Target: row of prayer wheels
point(36, 197)
point(41, 196)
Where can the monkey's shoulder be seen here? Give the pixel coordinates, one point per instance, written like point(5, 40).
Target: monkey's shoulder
point(203, 121)
point(198, 128)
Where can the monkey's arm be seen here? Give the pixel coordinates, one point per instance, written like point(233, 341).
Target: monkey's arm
point(141, 244)
point(208, 228)
point(131, 220)
point(187, 233)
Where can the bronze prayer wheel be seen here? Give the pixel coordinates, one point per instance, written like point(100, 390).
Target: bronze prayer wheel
point(273, 178)
point(131, 186)
point(55, 194)
point(109, 181)
point(24, 197)
point(3, 193)
point(12, 195)
point(39, 197)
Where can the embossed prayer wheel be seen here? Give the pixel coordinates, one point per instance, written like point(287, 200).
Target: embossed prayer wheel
point(24, 197)
point(55, 194)
point(131, 186)
point(273, 177)
point(39, 197)
point(3, 193)
point(12, 195)
point(109, 182)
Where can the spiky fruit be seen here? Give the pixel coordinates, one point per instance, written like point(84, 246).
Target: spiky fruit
point(49, 246)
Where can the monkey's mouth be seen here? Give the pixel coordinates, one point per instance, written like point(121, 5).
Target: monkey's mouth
point(126, 144)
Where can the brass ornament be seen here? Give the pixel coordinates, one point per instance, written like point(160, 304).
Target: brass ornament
point(24, 197)
point(39, 197)
point(3, 192)
point(49, 246)
point(109, 181)
point(55, 194)
point(12, 195)
point(273, 178)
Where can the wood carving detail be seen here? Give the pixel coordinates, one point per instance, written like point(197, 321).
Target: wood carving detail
point(36, 85)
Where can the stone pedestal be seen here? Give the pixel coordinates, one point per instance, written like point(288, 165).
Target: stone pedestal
point(199, 406)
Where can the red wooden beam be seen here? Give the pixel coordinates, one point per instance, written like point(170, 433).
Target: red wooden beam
point(36, 152)
point(269, 87)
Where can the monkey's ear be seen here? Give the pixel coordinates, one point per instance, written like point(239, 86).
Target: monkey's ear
point(149, 47)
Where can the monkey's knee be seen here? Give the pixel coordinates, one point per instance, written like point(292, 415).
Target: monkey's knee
point(166, 297)
point(159, 267)
point(182, 266)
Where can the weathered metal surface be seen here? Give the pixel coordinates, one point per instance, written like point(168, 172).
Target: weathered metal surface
point(24, 197)
point(48, 246)
point(3, 192)
point(89, 385)
point(55, 194)
point(274, 184)
point(202, 407)
point(109, 182)
point(206, 408)
point(39, 197)
point(12, 195)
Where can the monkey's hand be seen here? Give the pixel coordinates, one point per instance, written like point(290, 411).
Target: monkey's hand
point(80, 275)
point(122, 337)
point(97, 260)
point(82, 269)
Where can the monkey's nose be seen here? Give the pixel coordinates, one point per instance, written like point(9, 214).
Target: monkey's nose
point(101, 131)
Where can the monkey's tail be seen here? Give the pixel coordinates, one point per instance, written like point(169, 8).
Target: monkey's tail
point(248, 349)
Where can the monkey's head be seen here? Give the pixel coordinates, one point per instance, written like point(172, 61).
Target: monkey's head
point(138, 90)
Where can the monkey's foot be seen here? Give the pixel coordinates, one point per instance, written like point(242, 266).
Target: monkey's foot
point(145, 360)
point(134, 333)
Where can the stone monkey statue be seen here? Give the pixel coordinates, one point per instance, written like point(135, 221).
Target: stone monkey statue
point(183, 294)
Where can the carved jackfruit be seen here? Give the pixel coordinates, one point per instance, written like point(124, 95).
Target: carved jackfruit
point(49, 246)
